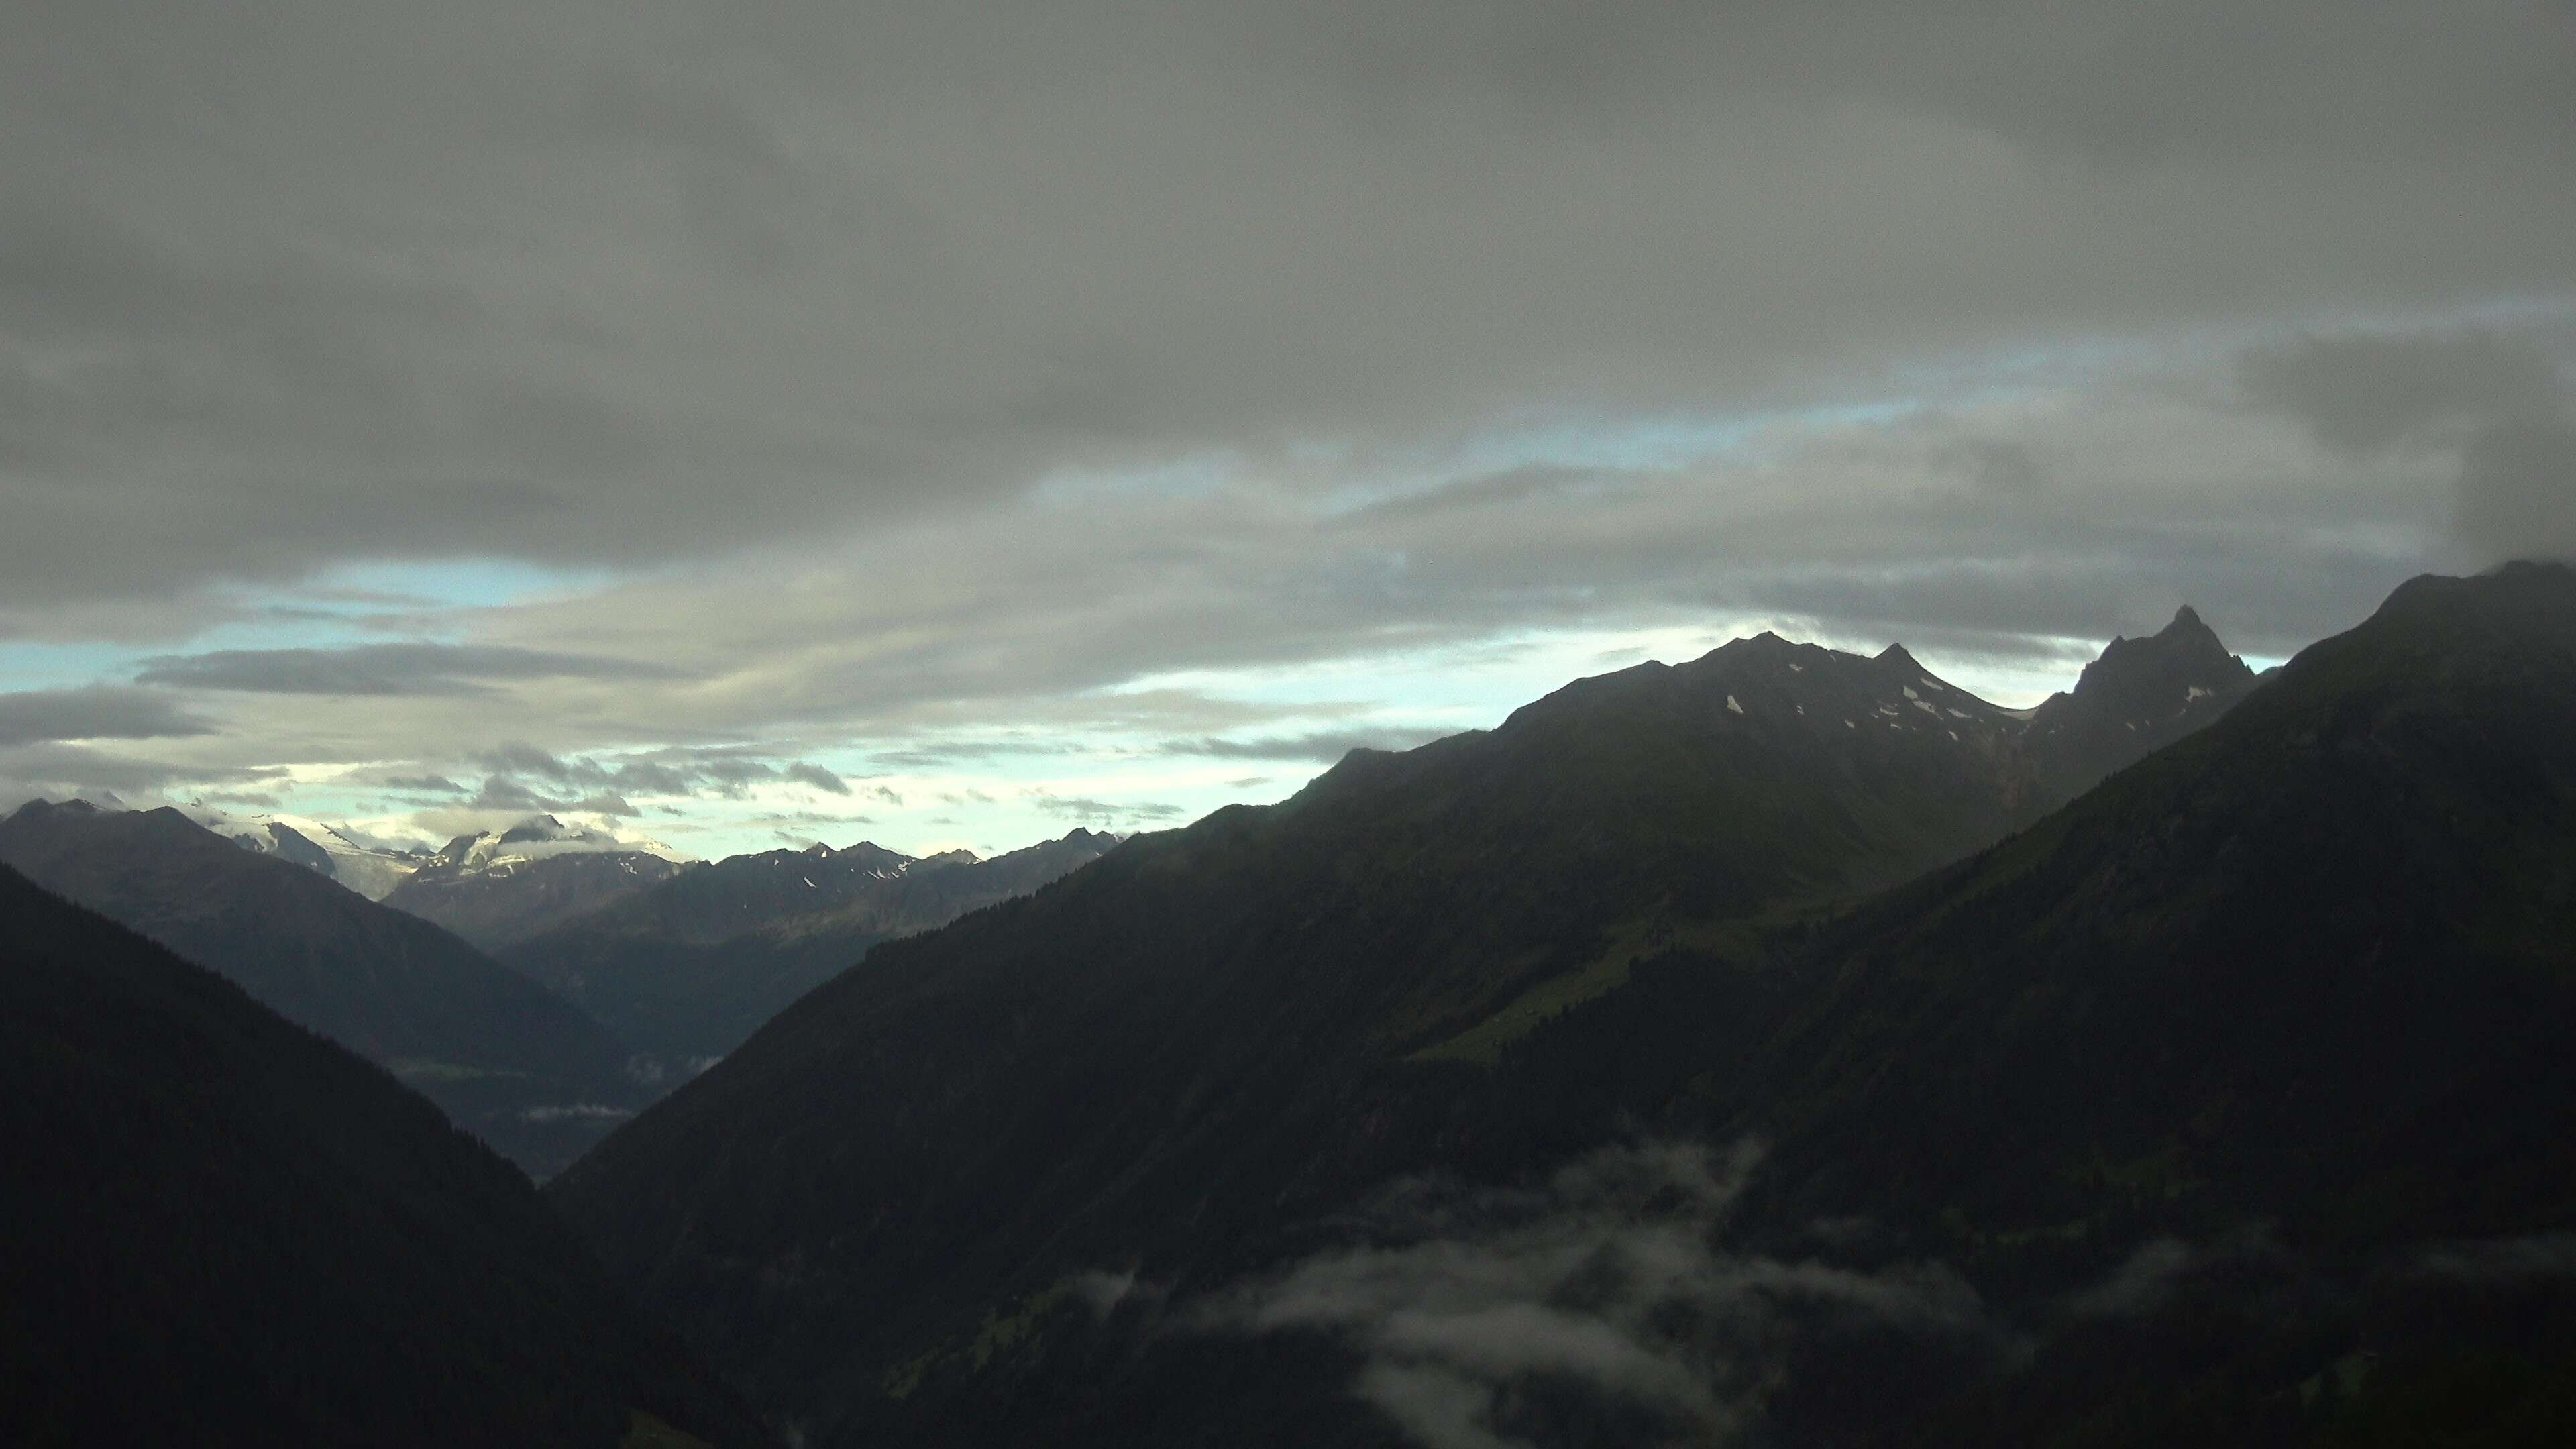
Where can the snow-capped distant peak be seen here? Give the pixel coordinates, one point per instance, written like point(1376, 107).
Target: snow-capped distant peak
point(369, 866)
point(538, 837)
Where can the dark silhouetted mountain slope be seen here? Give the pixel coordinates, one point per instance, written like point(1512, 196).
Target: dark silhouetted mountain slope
point(690, 968)
point(510, 1060)
point(1183, 1047)
point(2310, 973)
point(2287, 950)
point(2237, 1092)
point(221, 1229)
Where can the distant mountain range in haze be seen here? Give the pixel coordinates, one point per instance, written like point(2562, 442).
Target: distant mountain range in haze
point(689, 967)
point(405, 981)
point(509, 1060)
point(502, 886)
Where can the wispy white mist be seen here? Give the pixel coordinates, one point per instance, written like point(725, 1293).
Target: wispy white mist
point(1607, 1285)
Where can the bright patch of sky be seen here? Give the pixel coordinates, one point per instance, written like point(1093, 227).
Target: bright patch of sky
point(349, 603)
point(374, 586)
point(36, 664)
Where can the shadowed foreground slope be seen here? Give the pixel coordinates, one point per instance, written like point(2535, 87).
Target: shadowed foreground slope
point(222, 1229)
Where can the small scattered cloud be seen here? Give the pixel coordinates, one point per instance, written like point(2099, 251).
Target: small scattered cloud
point(256, 799)
point(948, 754)
point(1103, 1292)
point(724, 772)
point(1325, 746)
point(810, 819)
point(576, 1112)
point(421, 784)
point(1077, 807)
point(500, 792)
point(2142, 1284)
point(2501, 1260)
point(816, 776)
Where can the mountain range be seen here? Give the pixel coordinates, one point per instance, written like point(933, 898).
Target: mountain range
point(499, 887)
point(679, 976)
point(1209, 1039)
point(1785, 1047)
point(689, 967)
point(371, 867)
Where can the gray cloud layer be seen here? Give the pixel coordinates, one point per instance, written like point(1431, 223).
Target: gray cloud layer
point(485, 279)
point(381, 669)
point(922, 377)
point(98, 712)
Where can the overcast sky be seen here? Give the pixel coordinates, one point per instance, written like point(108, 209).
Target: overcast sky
point(948, 424)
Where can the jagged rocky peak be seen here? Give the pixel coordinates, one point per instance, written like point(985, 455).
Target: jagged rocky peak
point(2180, 664)
point(2140, 695)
